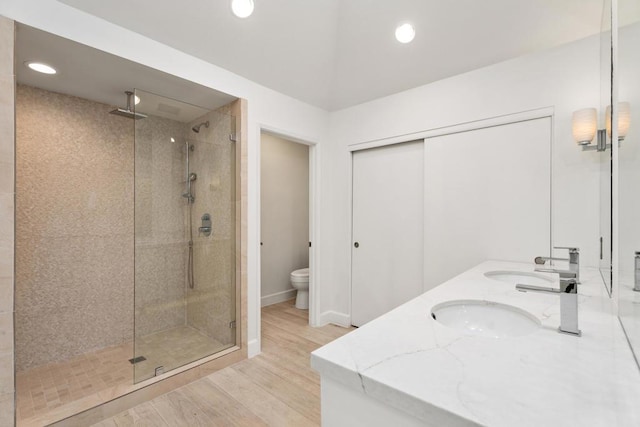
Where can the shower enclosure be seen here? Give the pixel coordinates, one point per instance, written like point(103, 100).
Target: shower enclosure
point(185, 234)
point(126, 245)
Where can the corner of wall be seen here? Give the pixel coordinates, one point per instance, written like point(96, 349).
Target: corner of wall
point(7, 219)
point(253, 348)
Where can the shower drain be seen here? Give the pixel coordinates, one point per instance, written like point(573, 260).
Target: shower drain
point(137, 360)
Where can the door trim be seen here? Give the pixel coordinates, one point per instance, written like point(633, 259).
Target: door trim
point(456, 128)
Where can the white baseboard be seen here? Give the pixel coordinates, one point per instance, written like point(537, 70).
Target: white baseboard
point(253, 348)
point(335, 318)
point(277, 297)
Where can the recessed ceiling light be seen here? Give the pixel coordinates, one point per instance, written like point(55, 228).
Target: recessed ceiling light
point(40, 67)
point(242, 8)
point(405, 33)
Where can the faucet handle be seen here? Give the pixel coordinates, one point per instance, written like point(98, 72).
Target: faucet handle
point(541, 260)
point(571, 249)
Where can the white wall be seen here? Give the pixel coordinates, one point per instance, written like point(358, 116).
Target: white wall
point(284, 215)
point(265, 106)
point(565, 78)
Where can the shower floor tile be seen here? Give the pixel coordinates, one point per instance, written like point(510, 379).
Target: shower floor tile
point(171, 349)
point(48, 387)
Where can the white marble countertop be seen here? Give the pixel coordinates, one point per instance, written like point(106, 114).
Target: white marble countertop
point(411, 362)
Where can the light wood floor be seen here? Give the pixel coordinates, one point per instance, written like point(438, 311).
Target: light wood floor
point(276, 388)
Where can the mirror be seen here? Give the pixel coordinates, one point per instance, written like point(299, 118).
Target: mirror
point(605, 156)
point(629, 172)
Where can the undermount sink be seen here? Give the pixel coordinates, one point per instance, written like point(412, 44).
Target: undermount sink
point(520, 277)
point(485, 318)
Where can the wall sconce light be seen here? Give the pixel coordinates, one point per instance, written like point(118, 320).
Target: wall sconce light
point(624, 120)
point(584, 125)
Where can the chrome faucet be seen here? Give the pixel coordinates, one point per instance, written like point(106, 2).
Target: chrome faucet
point(568, 303)
point(574, 264)
point(636, 281)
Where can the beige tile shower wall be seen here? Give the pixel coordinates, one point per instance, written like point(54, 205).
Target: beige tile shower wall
point(211, 304)
point(7, 127)
point(74, 245)
point(161, 247)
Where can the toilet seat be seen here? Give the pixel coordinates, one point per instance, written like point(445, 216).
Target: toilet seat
point(301, 275)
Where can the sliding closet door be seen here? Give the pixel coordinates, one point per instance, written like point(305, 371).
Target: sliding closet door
point(387, 247)
point(488, 197)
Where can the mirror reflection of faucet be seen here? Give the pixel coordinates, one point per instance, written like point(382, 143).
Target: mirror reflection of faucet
point(636, 276)
point(205, 227)
point(574, 264)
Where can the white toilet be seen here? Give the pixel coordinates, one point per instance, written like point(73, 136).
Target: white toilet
point(300, 281)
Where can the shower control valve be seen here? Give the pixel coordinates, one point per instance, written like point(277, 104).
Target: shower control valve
point(205, 227)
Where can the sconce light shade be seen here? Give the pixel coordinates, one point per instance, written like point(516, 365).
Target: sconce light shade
point(624, 119)
point(584, 125)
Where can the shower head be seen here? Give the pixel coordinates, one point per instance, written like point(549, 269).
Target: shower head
point(196, 128)
point(127, 112)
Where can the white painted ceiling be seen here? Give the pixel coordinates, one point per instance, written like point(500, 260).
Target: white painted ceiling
point(339, 53)
point(92, 74)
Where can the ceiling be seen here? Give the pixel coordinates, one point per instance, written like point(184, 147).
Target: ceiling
point(93, 74)
point(329, 53)
point(339, 53)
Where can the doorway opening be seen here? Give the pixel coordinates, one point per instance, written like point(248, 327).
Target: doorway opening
point(285, 222)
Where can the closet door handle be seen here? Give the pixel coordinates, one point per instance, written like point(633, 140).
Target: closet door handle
point(356, 245)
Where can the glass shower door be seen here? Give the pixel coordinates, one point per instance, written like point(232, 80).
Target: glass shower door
point(185, 234)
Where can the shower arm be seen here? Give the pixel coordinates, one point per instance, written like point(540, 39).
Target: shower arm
point(129, 98)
